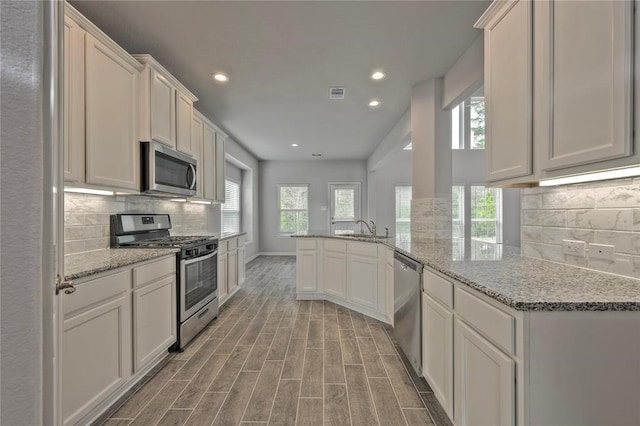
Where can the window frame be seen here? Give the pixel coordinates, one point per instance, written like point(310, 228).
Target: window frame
point(464, 124)
point(395, 214)
point(238, 212)
point(467, 220)
point(279, 232)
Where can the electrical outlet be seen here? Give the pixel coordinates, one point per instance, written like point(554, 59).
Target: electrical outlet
point(602, 251)
point(573, 247)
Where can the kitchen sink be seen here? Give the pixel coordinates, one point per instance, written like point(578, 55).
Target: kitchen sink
point(368, 236)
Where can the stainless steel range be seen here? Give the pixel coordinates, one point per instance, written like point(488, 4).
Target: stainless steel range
point(196, 267)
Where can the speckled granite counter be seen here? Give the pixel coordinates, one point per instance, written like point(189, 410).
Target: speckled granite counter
point(523, 283)
point(229, 236)
point(95, 262)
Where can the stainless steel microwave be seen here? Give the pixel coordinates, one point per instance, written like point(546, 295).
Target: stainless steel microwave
point(166, 171)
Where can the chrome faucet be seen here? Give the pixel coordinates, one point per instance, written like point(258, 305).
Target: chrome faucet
point(372, 228)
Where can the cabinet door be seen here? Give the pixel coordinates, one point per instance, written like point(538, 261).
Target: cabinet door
point(219, 169)
point(163, 114)
point(209, 163)
point(154, 320)
point(232, 270)
point(197, 146)
point(184, 118)
point(112, 146)
point(242, 254)
point(588, 78)
point(73, 101)
point(306, 270)
point(222, 277)
point(508, 93)
point(335, 274)
point(363, 280)
point(484, 381)
point(96, 355)
point(437, 351)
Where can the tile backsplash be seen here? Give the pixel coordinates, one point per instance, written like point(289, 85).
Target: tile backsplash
point(605, 212)
point(86, 219)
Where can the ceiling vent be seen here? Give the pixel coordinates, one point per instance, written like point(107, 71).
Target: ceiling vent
point(336, 92)
point(316, 155)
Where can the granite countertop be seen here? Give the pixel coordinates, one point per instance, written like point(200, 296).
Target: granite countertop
point(229, 236)
point(95, 262)
point(522, 283)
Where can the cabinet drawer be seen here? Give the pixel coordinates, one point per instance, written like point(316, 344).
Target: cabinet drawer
point(222, 247)
point(364, 249)
point(95, 291)
point(232, 244)
point(335, 246)
point(492, 322)
point(306, 244)
point(149, 273)
point(438, 288)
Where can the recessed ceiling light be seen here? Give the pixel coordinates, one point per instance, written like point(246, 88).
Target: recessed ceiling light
point(374, 103)
point(220, 77)
point(295, 145)
point(378, 75)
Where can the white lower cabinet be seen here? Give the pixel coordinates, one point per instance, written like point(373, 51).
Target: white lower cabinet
point(335, 274)
point(437, 350)
point(485, 380)
point(363, 280)
point(350, 273)
point(231, 267)
point(154, 311)
point(96, 344)
point(222, 277)
point(115, 328)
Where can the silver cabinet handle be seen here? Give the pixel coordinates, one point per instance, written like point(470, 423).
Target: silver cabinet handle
point(67, 286)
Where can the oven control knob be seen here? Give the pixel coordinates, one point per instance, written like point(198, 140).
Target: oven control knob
point(196, 251)
point(188, 252)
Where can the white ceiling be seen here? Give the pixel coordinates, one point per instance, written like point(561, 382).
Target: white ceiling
point(282, 57)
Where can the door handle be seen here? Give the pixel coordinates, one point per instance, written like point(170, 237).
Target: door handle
point(66, 285)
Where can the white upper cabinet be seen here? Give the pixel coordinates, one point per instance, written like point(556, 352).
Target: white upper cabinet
point(73, 101)
point(586, 81)
point(111, 112)
point(184, 117)
point(166, 107)
point(100, 108)
point(213, 161)
point(578, 116)
point(162, 108)
point(197, 146)
point(508, 89)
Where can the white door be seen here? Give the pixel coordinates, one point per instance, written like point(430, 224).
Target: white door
point(345, 207)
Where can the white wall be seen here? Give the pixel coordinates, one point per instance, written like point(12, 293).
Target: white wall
point(317, 174)
point(382, 182)
point(244, 161)
point(24, 263)
point(465, 76)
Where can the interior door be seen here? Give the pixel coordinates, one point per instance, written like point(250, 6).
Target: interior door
point(345, 207)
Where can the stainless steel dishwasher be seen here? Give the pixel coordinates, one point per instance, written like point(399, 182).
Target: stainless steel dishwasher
point(407, 322)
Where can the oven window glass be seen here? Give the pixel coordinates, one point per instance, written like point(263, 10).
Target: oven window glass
point(200, 281)
point(171, 171)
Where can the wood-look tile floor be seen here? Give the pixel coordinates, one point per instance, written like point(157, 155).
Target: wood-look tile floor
point(269, 359)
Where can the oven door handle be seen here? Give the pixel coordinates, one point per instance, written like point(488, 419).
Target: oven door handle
point(191, 176)
point(200, 259)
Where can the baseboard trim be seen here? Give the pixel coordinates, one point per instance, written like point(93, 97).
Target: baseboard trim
point(338, 301)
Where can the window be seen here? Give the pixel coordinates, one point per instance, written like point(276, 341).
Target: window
point(403, 215)
point(231, 208)
point(457, 211)
point(467, 123)
point(482, 220)
point(486, 214)
point(293, 204)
